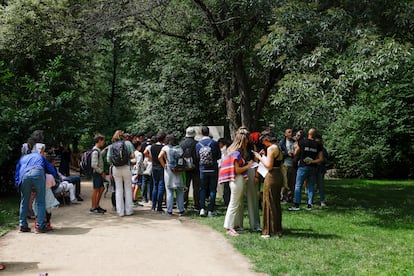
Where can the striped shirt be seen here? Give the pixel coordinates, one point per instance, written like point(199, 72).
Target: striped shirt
point(228, 170)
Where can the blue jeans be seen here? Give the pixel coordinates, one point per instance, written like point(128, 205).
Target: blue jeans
point(146, 188)
point(307, 173)
point(158, 188)
point(179, 191)
point(208, 180)
point(320, 181)
point(35, 178)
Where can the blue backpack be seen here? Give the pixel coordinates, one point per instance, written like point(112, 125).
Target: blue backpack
point(176, 159)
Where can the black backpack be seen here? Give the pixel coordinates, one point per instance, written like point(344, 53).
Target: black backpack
point(119, 154)
point(188, 157)
point(86, 162)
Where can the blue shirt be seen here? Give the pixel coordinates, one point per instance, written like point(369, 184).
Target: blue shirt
point(32, 161)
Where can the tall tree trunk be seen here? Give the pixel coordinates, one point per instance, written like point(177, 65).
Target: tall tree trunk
point(114, 72)
point(229, 91)
point(244, 91)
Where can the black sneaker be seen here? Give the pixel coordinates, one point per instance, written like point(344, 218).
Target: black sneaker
point(96, 211)
point(309, 208)
point(41, 230)
point(79, 198)
point(101, 209)
point(24, 229)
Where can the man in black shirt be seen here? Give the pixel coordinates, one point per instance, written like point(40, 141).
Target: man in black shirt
point(192, 174)
point(310, 154)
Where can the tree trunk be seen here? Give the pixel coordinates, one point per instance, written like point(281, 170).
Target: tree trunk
point(114, 72)
point(229, 91)
point(243, 91)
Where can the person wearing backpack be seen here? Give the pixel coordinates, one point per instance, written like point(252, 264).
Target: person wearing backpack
point(169, 158)
point(152, 153)
point(98, 174)
point(208, 153)
point(120, 152)
point(192, 173)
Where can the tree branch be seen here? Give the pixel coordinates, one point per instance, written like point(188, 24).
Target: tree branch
point(274, 75)
point(163, 32)
point(210, 19)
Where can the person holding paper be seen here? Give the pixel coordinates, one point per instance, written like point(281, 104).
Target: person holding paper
point(234, 170)
point(273, 182)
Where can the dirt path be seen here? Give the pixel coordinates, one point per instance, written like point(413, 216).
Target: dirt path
point(143, 244)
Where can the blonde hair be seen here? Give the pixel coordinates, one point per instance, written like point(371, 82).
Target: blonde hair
point(239, 143)
point(118, 135)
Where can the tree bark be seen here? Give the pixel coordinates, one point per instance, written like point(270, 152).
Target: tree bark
point(243, 90)
point(229, 90)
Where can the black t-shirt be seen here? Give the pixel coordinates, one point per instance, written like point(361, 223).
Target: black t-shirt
point(308, 148)
point(155, 151)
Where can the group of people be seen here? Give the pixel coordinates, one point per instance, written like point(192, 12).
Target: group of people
point(39, 182)
point(286, 166)
point(164, 170)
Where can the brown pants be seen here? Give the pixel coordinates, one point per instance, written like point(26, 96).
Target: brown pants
point(272, 211)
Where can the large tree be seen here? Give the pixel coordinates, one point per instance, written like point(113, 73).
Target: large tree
point(223, 35)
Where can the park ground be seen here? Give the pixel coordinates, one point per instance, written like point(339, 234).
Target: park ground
point(146, 243)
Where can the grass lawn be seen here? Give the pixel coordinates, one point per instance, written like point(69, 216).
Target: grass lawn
point(9, 212)
point(367, 229)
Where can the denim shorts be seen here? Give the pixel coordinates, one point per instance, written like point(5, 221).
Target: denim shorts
point(97, 180)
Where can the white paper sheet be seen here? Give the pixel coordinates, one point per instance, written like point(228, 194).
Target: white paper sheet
point(262, 169)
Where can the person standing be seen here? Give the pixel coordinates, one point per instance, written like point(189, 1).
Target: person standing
point(310, 155)
point(234, 170)
point(157, 172)
point(252, 184)
point(65, 157)
point(208, 153)
point(173, 178)
point(288, 150)
point(137, 170)
point(273, 182)
point(321, 171)
point(192, 175)
point(98, 174)
point(31, 174)
point(122, 171)
point(223, 145)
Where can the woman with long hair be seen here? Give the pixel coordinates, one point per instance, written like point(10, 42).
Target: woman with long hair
point(234, 170)
point(273, 182)
point(122, 174)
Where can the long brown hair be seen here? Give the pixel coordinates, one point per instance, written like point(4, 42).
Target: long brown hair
point(118, 135)
point(240, 141)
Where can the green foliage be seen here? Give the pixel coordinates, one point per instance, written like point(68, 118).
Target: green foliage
point(73, 69)
point(9, 213)
point(345, 80)
point(372, 137)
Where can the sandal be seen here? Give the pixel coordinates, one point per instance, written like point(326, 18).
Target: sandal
point(231, 232)
point(2, 267)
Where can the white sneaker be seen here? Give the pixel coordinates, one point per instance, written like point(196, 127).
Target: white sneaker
point(323, 204)
point(211, 214)
point(293, 208)
point(202, 213)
